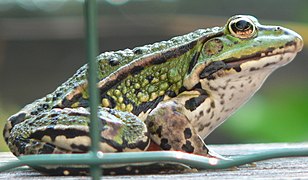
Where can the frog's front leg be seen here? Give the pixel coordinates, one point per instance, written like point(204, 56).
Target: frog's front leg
point(171, 129)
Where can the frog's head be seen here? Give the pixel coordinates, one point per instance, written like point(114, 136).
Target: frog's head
point(244, 48)
point(234, 61)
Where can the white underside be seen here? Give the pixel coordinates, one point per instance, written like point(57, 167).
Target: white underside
point(237, 88)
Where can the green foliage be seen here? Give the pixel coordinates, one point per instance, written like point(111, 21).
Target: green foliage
point(278, 116)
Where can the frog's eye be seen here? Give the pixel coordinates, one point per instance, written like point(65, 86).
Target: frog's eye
point(242, 28)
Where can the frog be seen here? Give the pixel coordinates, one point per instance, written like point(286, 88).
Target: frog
point(166, 96)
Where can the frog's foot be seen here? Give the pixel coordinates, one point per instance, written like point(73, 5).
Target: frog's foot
point(171, 130)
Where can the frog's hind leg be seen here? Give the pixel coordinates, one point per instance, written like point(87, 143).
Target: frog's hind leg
point(67, 131)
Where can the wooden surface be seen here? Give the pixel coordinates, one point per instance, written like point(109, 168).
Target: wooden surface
point(282, 168)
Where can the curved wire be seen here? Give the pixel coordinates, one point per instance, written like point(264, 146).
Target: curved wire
point(196, 161)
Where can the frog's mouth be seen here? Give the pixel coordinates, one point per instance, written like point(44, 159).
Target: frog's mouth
point(236, 63)
point(284, 55)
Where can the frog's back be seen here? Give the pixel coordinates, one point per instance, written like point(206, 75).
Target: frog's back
point(126, 62)
point(111, 62)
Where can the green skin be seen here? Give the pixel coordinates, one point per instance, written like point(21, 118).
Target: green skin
point(169, 95)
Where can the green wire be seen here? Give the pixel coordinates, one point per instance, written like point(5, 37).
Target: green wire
point(92, 51)
point(196, 161)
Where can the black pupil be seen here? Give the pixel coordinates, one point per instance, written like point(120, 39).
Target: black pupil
point(242, 25)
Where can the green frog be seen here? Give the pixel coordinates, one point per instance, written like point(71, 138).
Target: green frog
point(165, 96)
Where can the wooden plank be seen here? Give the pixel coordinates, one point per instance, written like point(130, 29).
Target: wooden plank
point(282, 168)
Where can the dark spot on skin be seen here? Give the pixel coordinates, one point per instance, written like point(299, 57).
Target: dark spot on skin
point(158, 131)
point(213, 89)
point(142, 145)
point(112, 101)
point(231, 97)
point(232, 87)
point(47, 149)
point(290, 43)
point(16, 119)
point(53, 115)
point(182, 89)
point(222, 102)
point(202, 126)
point(218, 119)
point(253, 69)
point(45, 106)
point(212, 68)
point(137, 51)
point(212, 115)
point(69, 102)
point(187, 133)
point(164, 144)
point(54, 98)
point(34, 113)
point(201, 91)
point(126, 100)
point(201, 113)
point(227, 110)
point(150, 124)
point(208, 110)
point(77, 114)
point(82, 148)
point(242, 85)
point(58, 94)
point(193, 62)
point(213, 104)
point(272, 63)
point(114, 62)
point(170, 93)
point(195, 102)
point(237, 69)
point(53, 133)
point(188, 147)
point(143, 107)
point(138, 90)
point(149, 78)
point(198, 86)
point(83, 103)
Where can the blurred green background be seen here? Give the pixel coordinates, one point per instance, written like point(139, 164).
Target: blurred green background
point(42, 44)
